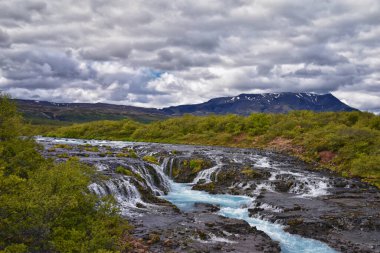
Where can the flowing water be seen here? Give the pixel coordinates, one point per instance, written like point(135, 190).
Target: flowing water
point(125, 189)
point(236, 207)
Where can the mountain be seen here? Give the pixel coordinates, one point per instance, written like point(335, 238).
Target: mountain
point(43, 112)
point(245, 104)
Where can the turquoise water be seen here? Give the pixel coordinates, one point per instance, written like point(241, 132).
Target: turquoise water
point(236, 207)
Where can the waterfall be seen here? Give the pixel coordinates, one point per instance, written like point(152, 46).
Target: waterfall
point(164, 180)
point(207, 174)
point(124, 191)
point(171, 168)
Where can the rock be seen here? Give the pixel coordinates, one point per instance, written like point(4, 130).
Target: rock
point(139, 205)
point(205, 207)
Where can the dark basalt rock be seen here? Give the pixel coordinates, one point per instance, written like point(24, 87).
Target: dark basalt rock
point(206, 208)
point(185, 169)
point(194, 232)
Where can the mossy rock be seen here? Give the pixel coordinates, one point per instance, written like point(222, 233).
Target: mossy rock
point(126, 172)
point(154, 238)
point(295, 222)
point(184, 170)
point(151, 159)
point(63, 146)
point(122, 155)
point(226, 177)
point(63, 155)
point(209, 187)
point(147, 195)
point(90, 148)
point(250, 173)
point(129, 152)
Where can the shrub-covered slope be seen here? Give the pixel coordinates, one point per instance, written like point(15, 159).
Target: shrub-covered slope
point(346, 142)
point(46, 206)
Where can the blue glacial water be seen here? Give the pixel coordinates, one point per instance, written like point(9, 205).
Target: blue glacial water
point(236, 207)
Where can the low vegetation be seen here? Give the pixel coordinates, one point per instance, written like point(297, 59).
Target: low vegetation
point(150, 159)
point(46, 206)
point(346, 142)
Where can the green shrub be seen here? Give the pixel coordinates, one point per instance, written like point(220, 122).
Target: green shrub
point(46, 206)
point(348, 135)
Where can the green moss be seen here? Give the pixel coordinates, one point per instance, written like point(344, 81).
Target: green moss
point(197, 165)
point(63, 146)
point(122, 155)
point(63, 155)
point(51, 150)
point(154, 238)
point(250, 173)
point(89, 148)
point(209, 187)
point(131, 153)
point(126, 172)
point(150, 159)
point(126, 153)
point(175, 172)
point(295, 222)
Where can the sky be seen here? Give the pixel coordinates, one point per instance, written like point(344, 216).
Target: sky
point(161, 53)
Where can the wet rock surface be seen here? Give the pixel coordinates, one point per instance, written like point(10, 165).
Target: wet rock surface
point(344, 213)
point(200, 231)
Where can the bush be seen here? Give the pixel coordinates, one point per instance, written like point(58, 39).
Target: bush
point(46, 206)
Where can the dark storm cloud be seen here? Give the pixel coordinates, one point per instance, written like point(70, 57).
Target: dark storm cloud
point(163, 52)
point(12, 12)
point(108, 52)
point(5, 40)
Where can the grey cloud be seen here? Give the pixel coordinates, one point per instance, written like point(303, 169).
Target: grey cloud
point(114, 50)
point(42, 69)
point(21, 10)
point(168, 60)
point(263, 69)
point(5, 39)
point(198, 41)
point(306, 73)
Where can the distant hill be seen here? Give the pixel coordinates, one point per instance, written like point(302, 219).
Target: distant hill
point(40, 112)
point(244, 104)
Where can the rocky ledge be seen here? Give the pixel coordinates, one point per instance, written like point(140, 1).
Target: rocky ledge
point(167, 230)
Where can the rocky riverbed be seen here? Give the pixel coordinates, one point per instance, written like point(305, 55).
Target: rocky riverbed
point(343, 213)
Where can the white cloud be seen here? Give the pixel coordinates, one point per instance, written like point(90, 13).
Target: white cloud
point(159, 53)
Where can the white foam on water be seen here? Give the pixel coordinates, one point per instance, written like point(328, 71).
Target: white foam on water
point(207, 174)
point(101, 167)
point(263, 162)
point(125, 193)
point(235, 207)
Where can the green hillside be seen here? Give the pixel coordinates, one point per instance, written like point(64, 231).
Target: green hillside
point(345, 142)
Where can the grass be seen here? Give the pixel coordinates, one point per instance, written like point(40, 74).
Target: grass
point(345, 142)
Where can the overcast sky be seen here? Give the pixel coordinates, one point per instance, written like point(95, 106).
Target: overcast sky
point(159, 53)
